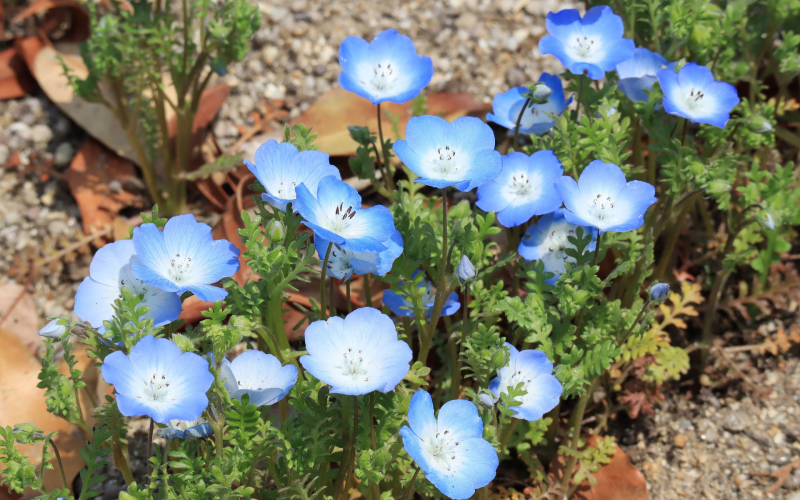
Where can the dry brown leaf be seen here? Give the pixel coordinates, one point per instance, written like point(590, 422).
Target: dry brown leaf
point(15, 79)
point(21, 401)
point(22, 320)
point(94, 118)
point(64, 20)
point(617, 480)
point(94, 172)
point(350, 109)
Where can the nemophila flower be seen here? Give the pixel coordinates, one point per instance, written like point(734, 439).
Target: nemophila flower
point(110, 270)
point(184, 257)
point(593, 44)
point(53, 330)
point(507, 106)
point(280, 168)
point(638, 73)
point(659, 291)
point(465, 270)
point(158, 380)
point(258, 375)
point(692, 93)
point(186, 430)
point(532, 369)
point(386, 69)
point(335, 214)
point(402, 307)
point(523, 188)
point(358, 354)
point(343, 263)
point(548, 241)
point(443, 154)
point(603, 199)
point(449, 448)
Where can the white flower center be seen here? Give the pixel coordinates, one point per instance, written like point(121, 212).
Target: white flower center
point(443, 449)
point(339, 260)
point(135, 285)
point(341, 217)
point(179, 268)
point(694, 98)
point(354, 366)
point(286, 191)
point(156, 389)
point(602, 206)
point(444, 161)
point(558, 242)
point(522, 187)
point(584, 48)
point(383, 76)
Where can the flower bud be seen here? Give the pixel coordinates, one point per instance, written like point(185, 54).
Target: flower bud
point(767, 222)
point(465, 270)
point(759, 124)
point(53, 330)
point(718, 186)
point(487, 399)
point(276, 230)
point(539, 93)
point(659, 291)
point(499, 359)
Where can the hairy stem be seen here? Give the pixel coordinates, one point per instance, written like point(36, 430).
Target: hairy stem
point(519, 122)
point(322, 312)
point(575, 423)
point(410, 493)
point(60, 464)
point(367, 290)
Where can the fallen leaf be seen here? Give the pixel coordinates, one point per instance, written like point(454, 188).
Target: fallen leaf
point(15, 78)
point(97, 120)
point(617, 480)
point(334, 138)
point(22, 320)
point(64, 20)
point(21, 401)
point(102, 184)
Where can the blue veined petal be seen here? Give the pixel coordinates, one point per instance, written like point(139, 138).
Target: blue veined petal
point(461, 418)
point(260, 376)
point(550, 45)
point(413, 445)
point(501, 106)
point(394, 249)
point(618, 52)
point(601, 20)
point(634, 88)
point(451, 305)
point(469, 133)
point(553, 82)
point(600, 177)
point(564, 25)
point(424, 135)
point(479, 467)
point(491, 195)
point(694, 75)
point(397, 304)
point(643, 63)
point(354, 52)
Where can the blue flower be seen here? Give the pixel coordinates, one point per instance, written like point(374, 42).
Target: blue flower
point(110, 270)
point(158, 380)
point(535, 372)
point(280, 168)
point(659, 291)
point(523, 188)
point(601, 198)
point(258, 375)
point(449, 448)
point(593, 44)
point(358, 354)
point(186, 430)
point(386, 69)
point(465, 270)
point(184, 257)
point(53, 330)
point(507, 106)
point(443, 154)
point(692, 93)
point(335, 214)
point(638, 73)
point(547, 241)
point(342, 262)
point(401, 307)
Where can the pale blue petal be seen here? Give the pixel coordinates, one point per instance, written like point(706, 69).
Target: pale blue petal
point(601, 21)
point(420, 414)
point(564, 25)
point(451, 305)
point(207, 293)
point(397, 304)
point(461, 418)
point(479, 468)
point(600, 177)
point(94, 302)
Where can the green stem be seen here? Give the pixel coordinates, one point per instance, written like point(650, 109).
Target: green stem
point(60, 464)
point(576, 423)
point(597, 249)
point(322, 312)
point(388, 174)
point(410, 493)
point(672, 241)
point(441, 292)
point(348, 453)
point(333, 305)
point(367, 290)
point(635, 322)
point(150, 444)
point(507, 432)
point(456, 376)
point(519, 122)
point(580, 96)
point(349, 301)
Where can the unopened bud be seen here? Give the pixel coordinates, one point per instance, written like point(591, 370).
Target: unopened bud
point(276, 230)
point(718, 186)
point(767, 222)
point(53, 330)
point(759, 124)
point(659, 292)
point(465, 270)
point(539, 93)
